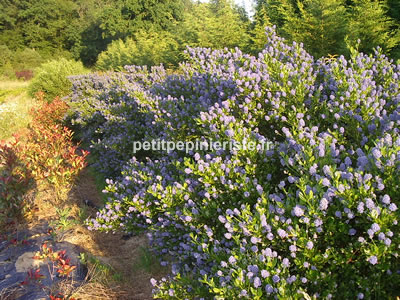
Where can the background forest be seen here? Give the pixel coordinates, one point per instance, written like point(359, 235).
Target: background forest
point(109, 34)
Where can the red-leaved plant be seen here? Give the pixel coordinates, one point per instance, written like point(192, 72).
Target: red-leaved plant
point(24, 74)
point(15, 179)
point(59, 261)
point(47, 154)
point(49, 151)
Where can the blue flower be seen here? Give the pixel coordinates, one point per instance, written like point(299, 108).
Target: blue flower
point(375, 227)
point(269, 289)
point(325, 182)
point(264, 273)
point(310, 245)
point(360, 207)
point(153, 282)
point(285, 262)
point(376, 153)
point(392, 207)
point(373, 260)
point(232, 260)
point(229, 132)
point(275, 278)
point(257, 282)
point(222, 219)
point(318, 222)
point(297, 211)
point(313, 169)
point(281, 184)
point(386, 199)
point(282, 233)
point(323, 204)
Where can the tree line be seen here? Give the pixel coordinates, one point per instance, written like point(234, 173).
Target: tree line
point(332, 26)
point(114, 32)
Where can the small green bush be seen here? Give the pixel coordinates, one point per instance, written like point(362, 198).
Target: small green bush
point(17, 61)
point(146, 49)
point(6, 55)
point(6, 58)
point(52, 78)
point(26, 59)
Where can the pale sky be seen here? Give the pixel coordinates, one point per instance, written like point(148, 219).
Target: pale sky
point(248, 5)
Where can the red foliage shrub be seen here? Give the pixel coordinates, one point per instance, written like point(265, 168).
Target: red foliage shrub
point(47, 155)
point(51, 155)
point(48, 113)
point(15, 179)
point(49, 151)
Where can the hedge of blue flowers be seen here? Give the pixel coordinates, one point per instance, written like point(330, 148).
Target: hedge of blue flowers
point(316, 216)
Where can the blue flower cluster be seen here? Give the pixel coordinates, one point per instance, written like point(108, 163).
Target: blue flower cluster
point(316, 216)
point(110, 110)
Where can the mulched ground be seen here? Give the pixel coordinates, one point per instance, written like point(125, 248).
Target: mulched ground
point(20, 242)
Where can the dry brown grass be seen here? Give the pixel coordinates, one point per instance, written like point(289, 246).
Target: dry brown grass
point(91, 288)
point(11, 293)
point(15, 105)
point(13, 84)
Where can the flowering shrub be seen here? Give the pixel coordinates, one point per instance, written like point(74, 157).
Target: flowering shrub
point(316, 216)
point(110, 109)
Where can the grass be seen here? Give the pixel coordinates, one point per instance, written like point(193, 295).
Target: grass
point(99, 180)
point(15, 105)
point(13, 84)
point(104, 272)
point(8, 93)
point(147, 262)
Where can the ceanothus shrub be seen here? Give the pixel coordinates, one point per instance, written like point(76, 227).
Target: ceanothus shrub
point(316, 216)
point(109, 111)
